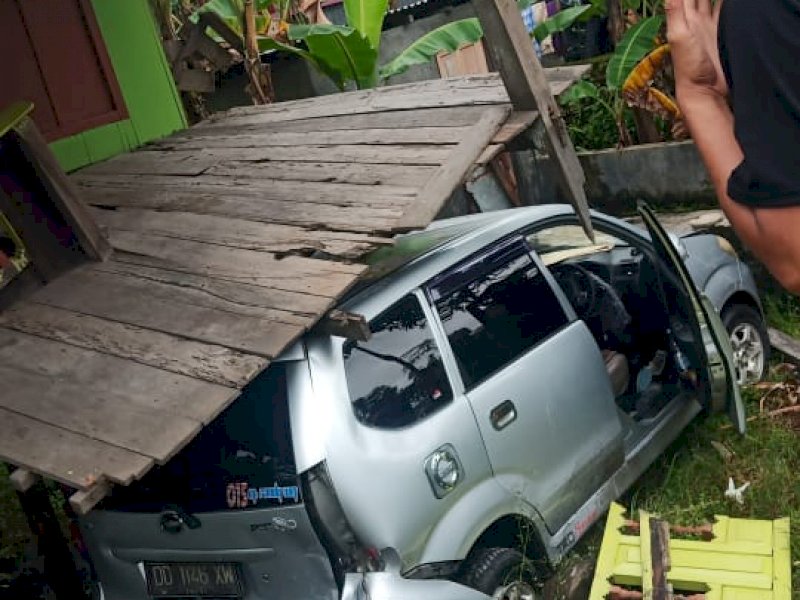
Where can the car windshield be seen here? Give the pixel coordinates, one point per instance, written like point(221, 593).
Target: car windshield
point(565, 242)
point(569, 237)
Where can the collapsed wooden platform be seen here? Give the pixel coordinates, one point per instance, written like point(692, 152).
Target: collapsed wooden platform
point(230, 240)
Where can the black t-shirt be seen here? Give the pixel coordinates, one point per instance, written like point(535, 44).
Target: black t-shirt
point(759, 43)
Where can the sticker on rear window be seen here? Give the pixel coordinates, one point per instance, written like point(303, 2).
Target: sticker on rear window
point(239, 494)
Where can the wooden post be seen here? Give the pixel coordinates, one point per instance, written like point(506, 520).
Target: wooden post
point(512, 52)
point(59, 566)
point(63, 193)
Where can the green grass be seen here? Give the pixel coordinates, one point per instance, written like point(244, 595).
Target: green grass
point(14, 532)
point(783, 312)
point(686, 484)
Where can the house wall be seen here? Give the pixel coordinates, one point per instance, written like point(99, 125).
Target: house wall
point(153, 104)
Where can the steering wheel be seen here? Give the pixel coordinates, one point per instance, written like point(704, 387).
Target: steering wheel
point(579, 287)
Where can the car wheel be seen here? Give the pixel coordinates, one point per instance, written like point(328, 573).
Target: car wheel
point(502, 573)
point(750, 342)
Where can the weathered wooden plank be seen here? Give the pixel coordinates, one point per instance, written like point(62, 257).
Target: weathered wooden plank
point(158, 307)
point(62, 191)
point(489, 154)
point(345, 218)
point(451, 93)
point(22, 480)
point(374, 174)
point(458, 116)
point(293, 273)
point(457, 91)
point(238, 233)
point(240, 293)
point(260, 139)
point(148, 386)
point(109, 417)
point(190, 162)
point(516, 123)
point(510, 48)
point(451, 173)
point(306, 192)
point(150, 289)
point(69, 458)
point(238, 173)
point(208, 362)
point(83, 501)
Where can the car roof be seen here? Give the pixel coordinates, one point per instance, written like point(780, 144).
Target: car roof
point(418, 257)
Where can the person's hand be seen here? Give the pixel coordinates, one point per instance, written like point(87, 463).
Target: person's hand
point(692, 34)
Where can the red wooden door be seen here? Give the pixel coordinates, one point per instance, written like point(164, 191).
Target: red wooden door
point(54, 56)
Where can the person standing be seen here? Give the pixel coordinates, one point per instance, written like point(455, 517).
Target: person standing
point(737, 77)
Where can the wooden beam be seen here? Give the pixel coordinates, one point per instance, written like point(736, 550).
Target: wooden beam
point(62, 191)
point(22, 480)
point(512, 52)
point(83, 501)
point(346, 325)
point(659, 548)
point(456, 167)
point(214, 21)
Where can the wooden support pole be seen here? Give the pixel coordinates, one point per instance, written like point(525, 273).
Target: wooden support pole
point(512, 53)
point(62, 191)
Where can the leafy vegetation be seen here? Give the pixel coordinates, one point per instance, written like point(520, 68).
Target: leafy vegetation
point(628, 84)
point(783, 312)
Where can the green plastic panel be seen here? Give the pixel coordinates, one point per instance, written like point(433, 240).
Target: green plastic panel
point(748, 559)
point(153, 104)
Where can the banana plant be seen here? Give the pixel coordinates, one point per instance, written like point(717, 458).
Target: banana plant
point(629, 78)
point(349, 53)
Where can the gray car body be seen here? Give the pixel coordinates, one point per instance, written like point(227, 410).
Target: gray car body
point(379, 475)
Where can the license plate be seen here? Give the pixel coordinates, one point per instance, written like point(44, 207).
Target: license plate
point(199, 580)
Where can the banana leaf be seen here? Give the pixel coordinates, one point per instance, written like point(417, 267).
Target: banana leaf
point(561, 21)
point(637, 43)
point(446, 38)
point(232, 11)
point(579, 91)
point(366, 17)
point(341, 53)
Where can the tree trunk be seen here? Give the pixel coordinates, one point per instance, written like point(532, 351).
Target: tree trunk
point(616, 21)
point(646, 129)
point(260, 87)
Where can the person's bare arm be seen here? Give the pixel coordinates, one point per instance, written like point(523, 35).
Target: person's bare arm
point(773, 234)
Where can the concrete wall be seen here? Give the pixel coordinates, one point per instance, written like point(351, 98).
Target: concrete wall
point(663, 175)
point(668, 175)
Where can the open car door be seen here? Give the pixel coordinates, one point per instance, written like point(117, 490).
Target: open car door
point(719, 353)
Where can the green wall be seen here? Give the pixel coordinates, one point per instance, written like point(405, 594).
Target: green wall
point(154, 106)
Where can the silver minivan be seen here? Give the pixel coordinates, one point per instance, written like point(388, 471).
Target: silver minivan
point(518, 378)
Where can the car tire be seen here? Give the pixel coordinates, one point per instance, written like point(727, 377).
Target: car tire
point(493, 570)
point(750, 342)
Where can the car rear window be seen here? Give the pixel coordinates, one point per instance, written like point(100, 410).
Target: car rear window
point(242, 459)
point(397, 377)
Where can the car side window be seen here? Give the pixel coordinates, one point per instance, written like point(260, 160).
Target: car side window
point(397, 377)
point(497, 315)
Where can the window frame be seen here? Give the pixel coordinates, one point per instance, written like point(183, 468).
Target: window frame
point(433, 326)
point(64, 125)
point(469, 264)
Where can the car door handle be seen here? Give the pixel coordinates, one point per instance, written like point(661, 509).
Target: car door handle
point(503, 415)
